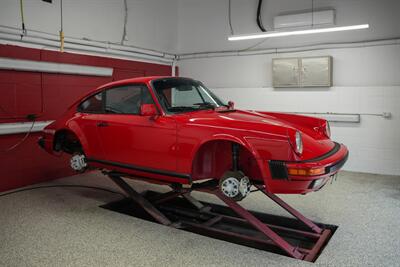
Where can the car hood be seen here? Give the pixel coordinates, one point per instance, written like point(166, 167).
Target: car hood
point(267, 125)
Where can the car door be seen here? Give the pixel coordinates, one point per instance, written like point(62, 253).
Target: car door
point(132, 139)
point(87, 123)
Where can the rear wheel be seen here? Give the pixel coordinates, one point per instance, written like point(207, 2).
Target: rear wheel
point(78, 162)
point(66, 141)
point(235, 185)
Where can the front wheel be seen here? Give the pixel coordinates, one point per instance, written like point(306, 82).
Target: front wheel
point(235, 185)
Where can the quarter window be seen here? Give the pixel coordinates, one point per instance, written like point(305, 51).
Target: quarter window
point(93, 104)
point(126, 99)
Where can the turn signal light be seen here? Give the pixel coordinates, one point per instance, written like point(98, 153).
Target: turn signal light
point(306, 172)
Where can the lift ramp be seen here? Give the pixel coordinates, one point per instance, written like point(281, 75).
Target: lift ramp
point(296, 237)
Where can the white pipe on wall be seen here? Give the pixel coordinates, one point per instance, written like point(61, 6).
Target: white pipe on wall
point(173, 67)
point(40, 38)
point(333, 117)
point(211, 54)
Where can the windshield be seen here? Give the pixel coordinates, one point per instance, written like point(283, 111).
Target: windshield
point(178, 95)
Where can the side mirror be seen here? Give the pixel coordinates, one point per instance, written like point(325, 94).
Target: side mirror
point(148, 110)
point(231, 104)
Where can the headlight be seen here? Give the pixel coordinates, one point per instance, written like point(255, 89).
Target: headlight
point(299, 143)
point(327, 130)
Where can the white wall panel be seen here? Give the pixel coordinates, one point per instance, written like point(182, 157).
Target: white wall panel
point(374, 143)
point(203, 24)
point(366, 80)
point(50, 67)
point(23, 127)
point(362, 66)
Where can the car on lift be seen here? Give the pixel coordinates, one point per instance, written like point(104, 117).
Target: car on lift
point(175, 130)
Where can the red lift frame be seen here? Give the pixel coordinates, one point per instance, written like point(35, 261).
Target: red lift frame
point(268, 231)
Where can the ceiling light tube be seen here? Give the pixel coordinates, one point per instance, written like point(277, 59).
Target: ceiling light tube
point(299, 32)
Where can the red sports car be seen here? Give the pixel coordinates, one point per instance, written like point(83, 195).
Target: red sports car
point(175, 130)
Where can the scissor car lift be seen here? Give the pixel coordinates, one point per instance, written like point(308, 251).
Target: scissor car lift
point(299, 238)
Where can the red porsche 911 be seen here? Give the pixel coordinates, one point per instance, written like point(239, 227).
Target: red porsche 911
point(176, 130)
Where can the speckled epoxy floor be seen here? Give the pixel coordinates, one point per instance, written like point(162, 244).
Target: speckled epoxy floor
point(65, 227)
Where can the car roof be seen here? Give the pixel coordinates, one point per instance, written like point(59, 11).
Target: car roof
point(137, 80)
point(134, 80)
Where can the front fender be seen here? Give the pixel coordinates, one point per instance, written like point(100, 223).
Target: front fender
point(222, 159)
point(226, 137)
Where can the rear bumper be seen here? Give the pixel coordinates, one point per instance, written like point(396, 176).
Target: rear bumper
point(329, 164)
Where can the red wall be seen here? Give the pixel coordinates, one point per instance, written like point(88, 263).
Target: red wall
point(48, 95)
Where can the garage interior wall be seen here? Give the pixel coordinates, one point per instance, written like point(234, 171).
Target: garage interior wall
point(365, 74)
point(50, 94)
point(151, 24)
point(364, 77)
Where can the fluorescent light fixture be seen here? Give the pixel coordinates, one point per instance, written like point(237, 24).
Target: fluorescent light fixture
point(299, 32)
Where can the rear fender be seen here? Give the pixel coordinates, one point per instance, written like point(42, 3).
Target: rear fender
point(75, 130)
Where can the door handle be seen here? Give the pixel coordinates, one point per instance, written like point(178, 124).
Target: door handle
point(102, 124)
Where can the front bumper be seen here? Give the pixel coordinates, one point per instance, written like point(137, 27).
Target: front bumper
point(328, 165)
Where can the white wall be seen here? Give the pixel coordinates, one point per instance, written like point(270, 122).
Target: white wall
point(203, 24)
point(366, 80)
point(152, 24)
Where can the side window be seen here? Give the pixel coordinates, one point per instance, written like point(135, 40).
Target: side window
point(126, 99)
point(93, 104)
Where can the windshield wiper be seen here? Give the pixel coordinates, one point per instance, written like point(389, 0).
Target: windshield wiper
point(205, 105)
point(228, 109)
point(181, 108)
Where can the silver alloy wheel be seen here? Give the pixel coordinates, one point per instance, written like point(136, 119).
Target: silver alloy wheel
point(230, 187)
point(78, 162)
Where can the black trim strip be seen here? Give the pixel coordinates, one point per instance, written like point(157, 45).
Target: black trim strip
point(279, 171)
point(337, 165)
point(324, 156)
point(143, 169)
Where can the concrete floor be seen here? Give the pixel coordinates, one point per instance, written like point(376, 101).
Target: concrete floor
point(65, 227)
